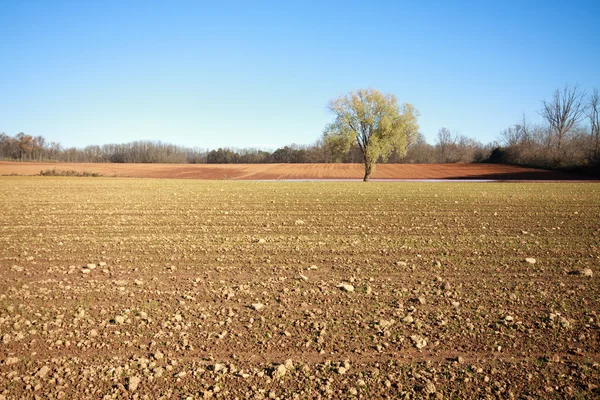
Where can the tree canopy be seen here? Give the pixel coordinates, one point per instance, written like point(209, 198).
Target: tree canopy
point(375, 122)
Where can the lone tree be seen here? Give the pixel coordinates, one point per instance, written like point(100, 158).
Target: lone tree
point(375, 122)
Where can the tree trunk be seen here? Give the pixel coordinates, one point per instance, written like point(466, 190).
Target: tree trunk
point(597, 148)
point(368, 170)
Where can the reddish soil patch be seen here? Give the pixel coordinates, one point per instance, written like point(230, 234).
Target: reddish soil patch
point(294, 171)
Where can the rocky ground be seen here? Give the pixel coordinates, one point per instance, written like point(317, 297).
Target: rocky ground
point(148, 289)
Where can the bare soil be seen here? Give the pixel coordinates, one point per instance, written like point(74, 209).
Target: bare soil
point(294, 171)
point(160, 288)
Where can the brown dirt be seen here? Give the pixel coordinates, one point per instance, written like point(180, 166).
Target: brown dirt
point(294, 171)
point(179, 264)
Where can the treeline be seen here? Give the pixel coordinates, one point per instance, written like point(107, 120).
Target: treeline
point(569, 138)
point(537, 145)
point(449, 148)
point(22, 147)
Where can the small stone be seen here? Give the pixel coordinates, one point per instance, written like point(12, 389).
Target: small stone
point(279, 371)
point(346, 287)
point(530, 260)
point(158, 355)
point(133, 383)
point(587, 272)
point(508, 318)
point(408, 319)
point(341, 370)
point(304, 277)
point(93, 333)
point(361, 383)
point(102, 264)
point(257, 306)
point(418, 341)
point(119, 319)
point(11, 361)
point(218, 367)
point(91, 266)
point(289, 364)
point(43, 372)
point(384, 324)
point(85, 270)
point(429, 388)
point(368, 291)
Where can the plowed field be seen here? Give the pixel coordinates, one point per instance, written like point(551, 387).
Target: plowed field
point(294, 171)
point(157, 288)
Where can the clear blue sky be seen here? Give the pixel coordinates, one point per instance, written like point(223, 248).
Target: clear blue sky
point(255, 73)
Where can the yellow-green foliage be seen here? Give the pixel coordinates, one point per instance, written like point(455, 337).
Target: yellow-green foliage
point(375, 121)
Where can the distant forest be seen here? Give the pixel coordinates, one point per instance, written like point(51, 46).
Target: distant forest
point(569, 138)
point(22, 147)
point(521, 144)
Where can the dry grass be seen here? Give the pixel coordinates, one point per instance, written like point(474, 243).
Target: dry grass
point(70, 172)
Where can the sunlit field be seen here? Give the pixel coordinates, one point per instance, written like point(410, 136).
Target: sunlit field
point(114, 287)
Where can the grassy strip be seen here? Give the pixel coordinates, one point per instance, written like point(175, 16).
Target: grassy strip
point(55, 172)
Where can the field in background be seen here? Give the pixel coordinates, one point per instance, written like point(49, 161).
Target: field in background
point(232, 289)
point(293, 171)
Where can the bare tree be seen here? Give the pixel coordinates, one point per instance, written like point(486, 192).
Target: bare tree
point(419, 151)
point(563, 111)
point(511, 136)
point(524, 129)
point(593, 113)
point(444, 145)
